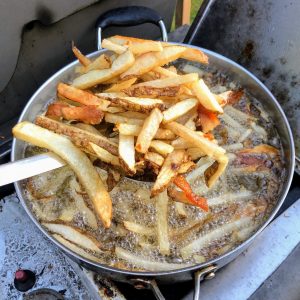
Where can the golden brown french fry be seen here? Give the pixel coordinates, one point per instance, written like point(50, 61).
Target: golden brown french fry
point(107, 44)
point(79, 137)
point(101, 62)
point(80, 96)
point(75, 248)
point(135, 104)
point(179, 109)
point(115, 109)
point(147, 61)
point(104, 155)
point(180, 209)
point(120, 65)
point(75, 235)
point(154, 158)
point(148, 131)
point(114, 118)
point(205, 96)
point(129, 129)
point(127, 153)
point(168, 171)
point(140, 229)
point(208, 147)
point(161, 147)
point(122, 85)
point(153, 92)
point(195, 55)
point(162, 223)
point(82, 58)
point(77, 160)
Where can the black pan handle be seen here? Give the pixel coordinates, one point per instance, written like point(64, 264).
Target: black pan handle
point(129, 16)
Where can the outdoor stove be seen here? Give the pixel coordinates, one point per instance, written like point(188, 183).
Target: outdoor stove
point(22, 245)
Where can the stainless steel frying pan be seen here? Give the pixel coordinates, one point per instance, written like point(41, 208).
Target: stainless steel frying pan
point(198, 271)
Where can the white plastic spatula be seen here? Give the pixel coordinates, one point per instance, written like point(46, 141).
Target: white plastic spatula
point(28, 167)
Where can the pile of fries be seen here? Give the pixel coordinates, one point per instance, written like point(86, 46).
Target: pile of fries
point(138, 115)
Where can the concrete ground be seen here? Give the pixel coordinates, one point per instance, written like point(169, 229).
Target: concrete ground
point(283, 284)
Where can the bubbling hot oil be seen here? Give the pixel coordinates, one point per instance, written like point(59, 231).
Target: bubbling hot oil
point(132, 202)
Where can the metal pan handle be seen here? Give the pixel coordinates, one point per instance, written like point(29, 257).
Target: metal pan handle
point(129, 16)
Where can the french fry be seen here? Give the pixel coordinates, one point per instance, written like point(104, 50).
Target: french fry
point(114, 118)
point(169, 82)
point(88, 214)
point(162, 223)
point(168, 171)
point(115, 109)
point(107, 44)
point(75, 235)
point(139, 229)
point(80, 96)
point(75, 248)
point(179, 109)
point(205, 96)
point(87, 127)
point(222, 163)
point(187, 167)
point(164, 73)
point(128, 129)
point(127, 153)
point(208, 147)
point(86, 114)
point(154, 158)
point(82, 58)
point(101, 62)
point(149, 91)
point(77, 160)
point(161, 147)
point(104, 155)
point(136, 104)
point(195, 55)
point(79, 137)
point(146, 264)
point(180, 209)
point(195, 153)
point(120, 86)
point(148, 131)
point(94, 77)
point(134, 115)
point(147, 61)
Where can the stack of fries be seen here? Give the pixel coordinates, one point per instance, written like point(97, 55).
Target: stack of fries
point(138, 115)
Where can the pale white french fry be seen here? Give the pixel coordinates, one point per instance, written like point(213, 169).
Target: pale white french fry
point(147, 61)
point(165, 73)
point(74, 235)
point(180, 209)
point(114, 118)
point(161, 147)
point(205, 96)
point(120, 86)
point(140, 229)
point(195, 153)
point(148, 131)
point(120, 64)
point(101, 62)
point(162, 223)
point(146, 264)
point(107, 44)
point(75, 248)
point(77, 160)
point(179, 109)
point(104, 155)
point(154, 158)
point(127, 152)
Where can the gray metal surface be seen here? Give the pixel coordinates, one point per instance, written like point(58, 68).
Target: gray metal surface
point(263, 36)
point(46, 92)
point(242, 277)
point(36, 36)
